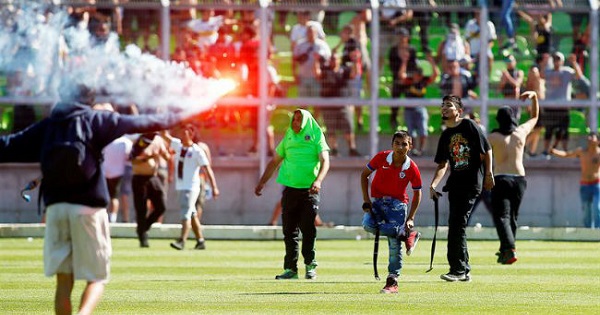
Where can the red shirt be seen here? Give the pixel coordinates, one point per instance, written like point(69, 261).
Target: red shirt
point(392, 181)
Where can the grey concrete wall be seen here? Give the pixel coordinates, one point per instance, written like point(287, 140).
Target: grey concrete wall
point(551, 200)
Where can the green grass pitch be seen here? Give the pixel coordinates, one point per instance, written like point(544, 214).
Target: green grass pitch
point(237, 277)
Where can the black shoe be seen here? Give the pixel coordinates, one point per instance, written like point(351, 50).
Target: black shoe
point(354, 152)
point(200, 245)
point(453, 277)
point(178, 244)
point(143, 237)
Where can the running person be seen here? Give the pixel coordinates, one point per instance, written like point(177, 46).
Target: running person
point(386, 208)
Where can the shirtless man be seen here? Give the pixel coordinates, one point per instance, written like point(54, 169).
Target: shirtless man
point(146, 183)
point(508, 144)
point(589, 189)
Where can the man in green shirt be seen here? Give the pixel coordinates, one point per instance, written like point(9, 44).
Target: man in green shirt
point(303, 155)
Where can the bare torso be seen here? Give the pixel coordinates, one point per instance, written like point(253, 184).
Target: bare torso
point(589, 161)
point(508, 152)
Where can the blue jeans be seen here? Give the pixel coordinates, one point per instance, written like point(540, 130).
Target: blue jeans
point(505, 15)
point(590, 203)
point(389, 215)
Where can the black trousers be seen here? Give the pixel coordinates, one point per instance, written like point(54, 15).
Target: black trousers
point(148, 187)
point(461, 204)
point(299, 209)
point(506, 200)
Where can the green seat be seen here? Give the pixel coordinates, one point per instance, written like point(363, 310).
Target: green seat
point(435, 123)
point(282, 43)
point(578, 122)
point(344, 18)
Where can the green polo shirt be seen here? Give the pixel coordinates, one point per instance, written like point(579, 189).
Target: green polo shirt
point(300, 153)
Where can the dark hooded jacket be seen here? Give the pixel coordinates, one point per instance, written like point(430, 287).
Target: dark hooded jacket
point(102, 128)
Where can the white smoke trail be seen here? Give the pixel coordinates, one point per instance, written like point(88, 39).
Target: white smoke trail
point(41, 49)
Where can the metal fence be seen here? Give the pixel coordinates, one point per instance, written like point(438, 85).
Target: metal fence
point(377, 92)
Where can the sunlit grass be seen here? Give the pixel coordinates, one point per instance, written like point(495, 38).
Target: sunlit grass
point(238, 277)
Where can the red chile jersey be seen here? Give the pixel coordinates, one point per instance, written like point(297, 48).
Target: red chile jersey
point(390, 180)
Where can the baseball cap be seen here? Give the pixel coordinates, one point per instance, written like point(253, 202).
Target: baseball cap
point(558, 55)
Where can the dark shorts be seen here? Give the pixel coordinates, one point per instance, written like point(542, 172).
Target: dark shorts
point(556, 121)
point(114, 186)
point(126, 181)
point(338, 119)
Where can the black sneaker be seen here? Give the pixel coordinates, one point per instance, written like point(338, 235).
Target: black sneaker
point(178, 244)
point(453, 277)
point(287, 275)
point(200, 245)
point(143, 237)
point(508, 257)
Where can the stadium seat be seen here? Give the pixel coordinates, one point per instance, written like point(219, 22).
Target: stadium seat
point(345, 18)
point(578, 122)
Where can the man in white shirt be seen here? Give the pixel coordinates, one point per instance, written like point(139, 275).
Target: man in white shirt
point(116, 157)
point(189, 160)
point(473, 36)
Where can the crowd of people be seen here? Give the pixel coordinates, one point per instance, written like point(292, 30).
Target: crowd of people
point(331, 59)
point(474, 160)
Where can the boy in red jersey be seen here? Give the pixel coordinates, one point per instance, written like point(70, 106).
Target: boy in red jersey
point(385, 208)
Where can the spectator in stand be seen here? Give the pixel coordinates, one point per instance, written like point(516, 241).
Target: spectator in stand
point(453, 47)
point(473, 37)
point(541, 29)
point(423, 19)
point(179, 20)
point(305, 54)
point(510, 83)
point(416, 118)
point(507, 24)
point(359, 27)
point(299, 33)
point(223, 55)
point(403, 62)
point(394, 17)
point(537, 84)
point(334, 79)
point(352, 58)
point(558, 88)
point(249, 59)
point(138, 22)
point(458, 81)
point(206, 29)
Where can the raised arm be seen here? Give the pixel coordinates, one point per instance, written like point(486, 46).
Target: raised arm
point(535, 109)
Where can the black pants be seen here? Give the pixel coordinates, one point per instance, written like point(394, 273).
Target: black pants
point(461, 204)
point(148, 187)
point(506, 200)
point(299, 209)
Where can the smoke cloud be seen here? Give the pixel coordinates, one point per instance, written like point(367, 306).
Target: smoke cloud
point(45, 52)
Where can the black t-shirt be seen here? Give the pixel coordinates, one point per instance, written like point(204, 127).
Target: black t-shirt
point(462, 147)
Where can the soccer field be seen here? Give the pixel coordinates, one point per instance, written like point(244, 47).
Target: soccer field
point(235, 277)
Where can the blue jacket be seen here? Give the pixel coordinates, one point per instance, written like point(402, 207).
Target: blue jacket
point(104, 127)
